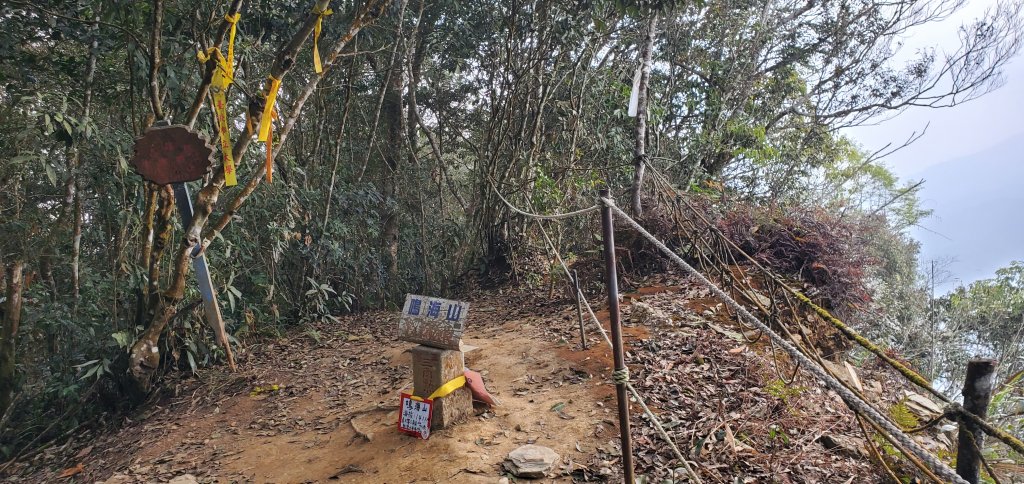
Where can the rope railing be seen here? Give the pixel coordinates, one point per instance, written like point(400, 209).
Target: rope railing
point(853, 400)
point(624, 377)
point(917, 455)
point(537, 216)
point(952, 412)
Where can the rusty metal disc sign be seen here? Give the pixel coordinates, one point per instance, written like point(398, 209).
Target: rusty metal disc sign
point(172, 154)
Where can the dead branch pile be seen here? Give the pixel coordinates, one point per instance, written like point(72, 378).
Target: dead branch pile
point(806, 244)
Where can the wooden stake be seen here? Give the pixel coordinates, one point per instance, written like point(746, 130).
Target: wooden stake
point(579, 308)
point(611, 280)
point(977, 394)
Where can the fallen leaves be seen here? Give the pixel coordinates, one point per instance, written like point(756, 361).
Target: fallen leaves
point(707, 390)
point(71, 471)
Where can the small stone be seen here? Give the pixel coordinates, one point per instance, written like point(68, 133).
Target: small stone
point(847, 445)
point(531, 461)
point(643, 313)
point(503, 480)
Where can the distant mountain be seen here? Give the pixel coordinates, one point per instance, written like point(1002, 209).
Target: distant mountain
point(978, 203)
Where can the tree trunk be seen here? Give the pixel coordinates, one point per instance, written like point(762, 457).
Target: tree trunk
point(145, 352)
point(640, 148)
point(164, 228)
point(75, 179)
point(9, 332)
point(391, 111)
point(145, 255)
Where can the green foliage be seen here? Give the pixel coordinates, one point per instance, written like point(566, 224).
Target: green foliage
point(779, 389)
point(902, 415)
point(776, 433)
point(886, 448)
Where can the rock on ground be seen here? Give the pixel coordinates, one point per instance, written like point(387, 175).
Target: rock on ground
point(531, 461)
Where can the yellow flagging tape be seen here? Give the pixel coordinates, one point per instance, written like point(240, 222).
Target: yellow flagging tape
point(268, 108)
point(451, 386)
point(219, 88)
point(320, 14)
point(233, 20)
point(270, 155)
point(444, 390)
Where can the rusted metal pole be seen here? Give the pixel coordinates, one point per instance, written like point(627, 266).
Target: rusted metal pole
point(977, 394)
point(579, 308)
point(612, 281)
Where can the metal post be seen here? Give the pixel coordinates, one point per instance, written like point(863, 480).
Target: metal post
point(579, 308)
point(612, 281)
point(977, 395)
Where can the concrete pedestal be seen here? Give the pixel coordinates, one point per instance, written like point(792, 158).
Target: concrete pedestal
point(433, 367)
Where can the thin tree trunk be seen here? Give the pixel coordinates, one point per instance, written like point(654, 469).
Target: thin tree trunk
point(160, 244)
point(155, 60)
point(146, 255)
point(341, 137)
point(9, 332)
point(640, 148)
point(391, 110)
point(75, 180)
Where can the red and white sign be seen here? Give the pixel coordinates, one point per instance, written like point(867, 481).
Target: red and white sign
point(414, 415)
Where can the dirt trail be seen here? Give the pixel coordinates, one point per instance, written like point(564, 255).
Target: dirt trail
point(333, 418)
point(526, 373)
point(333, 415)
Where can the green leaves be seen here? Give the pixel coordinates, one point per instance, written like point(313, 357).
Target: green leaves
point(123, 339)
point(232, 291)
point(94, 368)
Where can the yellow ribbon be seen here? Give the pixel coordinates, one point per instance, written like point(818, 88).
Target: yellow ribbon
point(443, 391)
point(270, 155)
point(222, 64)
point(317, 66)
point(233, 20)
point(219, 88)
point(268, 108)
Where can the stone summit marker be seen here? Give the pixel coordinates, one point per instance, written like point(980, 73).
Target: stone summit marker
point(433, 321)
point(437, 325)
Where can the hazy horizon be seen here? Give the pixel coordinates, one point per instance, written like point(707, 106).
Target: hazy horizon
point(970, 159)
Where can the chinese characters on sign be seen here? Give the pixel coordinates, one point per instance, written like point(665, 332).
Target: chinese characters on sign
point(433, 321)
point(414, 416)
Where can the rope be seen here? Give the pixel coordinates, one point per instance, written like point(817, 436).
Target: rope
point(908, 373)
point(993, 431)
point(625, 371)
point(620, 376)
point(535, 216)
point(981, 456)
point(833, 384)
point(1010, 440)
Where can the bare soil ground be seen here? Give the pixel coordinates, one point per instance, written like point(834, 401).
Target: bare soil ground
point(333, 417)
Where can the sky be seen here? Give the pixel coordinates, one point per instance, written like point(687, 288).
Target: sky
point(971, 160)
